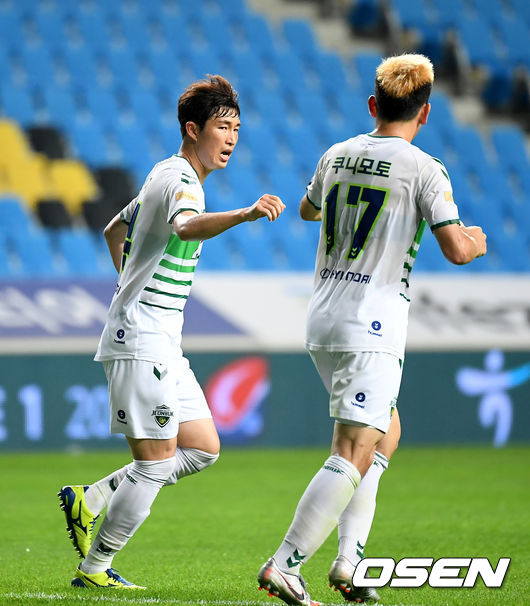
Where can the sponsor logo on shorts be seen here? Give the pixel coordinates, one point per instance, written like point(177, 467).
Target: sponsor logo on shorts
point(162, 415)
point(359, 399)
point(376, 328)
point(121, 416)
point(120, 333)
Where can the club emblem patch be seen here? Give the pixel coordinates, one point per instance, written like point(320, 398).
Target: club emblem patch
point(162, 415)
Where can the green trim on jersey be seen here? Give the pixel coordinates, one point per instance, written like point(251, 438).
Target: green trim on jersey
point(444, 170)
point(181, 249)
point(171, 280)
point(311, 201)
point(444, 223)
point(160, 306)
point(182, 210)
point(183, 268)
point(384, 136)
point(166, 294)
point(179, 156)
point(412, 252)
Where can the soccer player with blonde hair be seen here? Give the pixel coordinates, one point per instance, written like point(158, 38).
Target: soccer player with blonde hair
point(374, 195)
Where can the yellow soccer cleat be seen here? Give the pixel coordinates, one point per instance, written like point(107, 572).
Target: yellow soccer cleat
point(79, 519)
point(107, 579)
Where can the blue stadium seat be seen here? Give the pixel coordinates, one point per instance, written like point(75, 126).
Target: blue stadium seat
point(38, 65)
point(413, 14)
point(522, 9)
point(450, 12)
point(301, 38)
point(429, 140)
point(122, 65)
point(11, 29)
point(511, 249)
point(5, 260)
point(216, 254)
point(93, 27)
point(79, 252)
point(60, 105)
point(101, 103)
point(17, 103)
point(89, 142)
point(50, 23)
point(311, 106)
point(300, 247)
point(14, 216)
point(469, 147)
point(252, 242)
point(510, 147)
point(261, 142)
point(35, 254)
point(259, 35)
point(330, 69)
point(249, 71)
point(515, 34)
point(80, 64)
point(365, 65)
point(430, 257)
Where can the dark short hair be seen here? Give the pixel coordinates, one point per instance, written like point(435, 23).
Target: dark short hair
point(204, 99)
point(400, 109)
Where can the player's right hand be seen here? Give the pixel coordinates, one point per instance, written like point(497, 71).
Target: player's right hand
point(267, 206)
point(480, 238)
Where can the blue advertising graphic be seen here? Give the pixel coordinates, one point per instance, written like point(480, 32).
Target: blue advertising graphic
point(492, 384)
point(51, 308)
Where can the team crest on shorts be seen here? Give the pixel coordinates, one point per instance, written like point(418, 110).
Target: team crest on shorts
point(162, 415)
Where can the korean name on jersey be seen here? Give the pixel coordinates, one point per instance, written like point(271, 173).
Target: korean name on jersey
point(377, 194)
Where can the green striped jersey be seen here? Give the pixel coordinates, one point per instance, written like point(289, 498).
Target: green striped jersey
point(377, 194)
point(145, 316)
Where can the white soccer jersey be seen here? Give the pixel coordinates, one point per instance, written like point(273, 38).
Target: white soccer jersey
point(145, 316)
point(376, 194)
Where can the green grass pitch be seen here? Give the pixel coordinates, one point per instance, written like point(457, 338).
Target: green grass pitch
point(207, 537)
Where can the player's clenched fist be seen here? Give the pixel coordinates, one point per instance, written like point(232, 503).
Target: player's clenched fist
point(267, 206)
point(480, 238)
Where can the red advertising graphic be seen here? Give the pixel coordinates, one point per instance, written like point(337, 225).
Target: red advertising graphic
point(236, 393)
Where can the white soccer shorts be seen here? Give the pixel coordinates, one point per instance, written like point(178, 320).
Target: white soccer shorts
point(363, 386)
point(149, 400)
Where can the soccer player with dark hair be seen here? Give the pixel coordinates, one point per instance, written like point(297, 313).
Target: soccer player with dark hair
point(155, 243)
point(374, 194)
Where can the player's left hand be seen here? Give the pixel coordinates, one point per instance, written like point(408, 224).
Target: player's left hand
point(267, 206)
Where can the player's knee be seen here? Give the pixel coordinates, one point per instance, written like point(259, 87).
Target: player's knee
point(190, 461)
point(156, 472)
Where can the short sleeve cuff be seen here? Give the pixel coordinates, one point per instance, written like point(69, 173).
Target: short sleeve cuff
point(311, 201)
point(444, 223)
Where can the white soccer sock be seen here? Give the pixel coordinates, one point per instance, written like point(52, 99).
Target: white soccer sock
point(128, 508)
point(100, 493)
point(318, 511)
point(356, 520)
point(187, 462)
point(190, 461)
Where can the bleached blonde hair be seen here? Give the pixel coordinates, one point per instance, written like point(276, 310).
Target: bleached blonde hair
point(400, 76)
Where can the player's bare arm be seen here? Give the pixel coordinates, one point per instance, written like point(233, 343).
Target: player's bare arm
point(460, 244)
point(308, 211)
point(115, 233)
point(192, 226)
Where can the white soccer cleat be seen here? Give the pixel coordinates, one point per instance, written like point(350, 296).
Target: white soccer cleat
point(341, 579)
point(288, 587)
